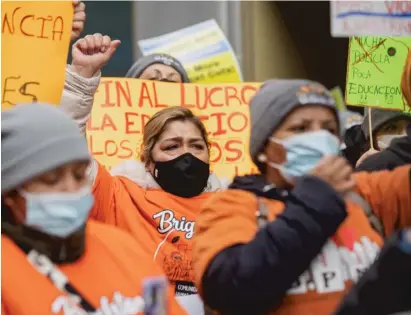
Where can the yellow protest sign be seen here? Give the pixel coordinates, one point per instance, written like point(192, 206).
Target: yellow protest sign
point(374, 70)
point(203, 49)
point(34, 47)
point(123, 106)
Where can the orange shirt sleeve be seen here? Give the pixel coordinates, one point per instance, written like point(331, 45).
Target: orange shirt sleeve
point(388, 193)
point(3, 309)
point(104, 189)
point(217, 228)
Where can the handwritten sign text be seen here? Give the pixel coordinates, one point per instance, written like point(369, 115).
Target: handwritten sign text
point(35, 41)
point(374, 70)
point(123, 106)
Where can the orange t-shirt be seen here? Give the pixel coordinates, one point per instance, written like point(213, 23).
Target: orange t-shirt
point(229, 218)
point(162, 222)
point(108, 275)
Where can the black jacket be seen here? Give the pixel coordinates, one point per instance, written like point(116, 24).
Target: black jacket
point(253, 278)
point(355, 142)
point(385, 288)
point(397, 154)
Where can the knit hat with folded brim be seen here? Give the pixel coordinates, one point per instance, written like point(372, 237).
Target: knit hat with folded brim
point(350, 119)
point(274, 101)
point(144, 62)
point(37, 138)
point(379, 117)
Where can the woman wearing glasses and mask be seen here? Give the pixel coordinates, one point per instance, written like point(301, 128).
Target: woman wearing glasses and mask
point(54, 261)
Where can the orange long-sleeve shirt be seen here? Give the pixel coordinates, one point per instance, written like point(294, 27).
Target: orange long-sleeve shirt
point(161, 222)
point(108, 275)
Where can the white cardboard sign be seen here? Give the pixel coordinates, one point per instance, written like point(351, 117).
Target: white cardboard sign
point(365, 18)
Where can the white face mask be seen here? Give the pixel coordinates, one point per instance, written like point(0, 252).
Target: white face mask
point(384, 141)
point(58, 214)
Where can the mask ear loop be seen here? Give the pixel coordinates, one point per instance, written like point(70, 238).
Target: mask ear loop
point(263, 159)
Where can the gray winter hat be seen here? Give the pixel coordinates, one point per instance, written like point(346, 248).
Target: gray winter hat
point(350, 119)
point(144, 62)
point(36, 138)
point(379, 117)
point(274, 101)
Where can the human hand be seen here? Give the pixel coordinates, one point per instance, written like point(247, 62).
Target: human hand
point(92, 53)
point(79, 19)
point(337, 172)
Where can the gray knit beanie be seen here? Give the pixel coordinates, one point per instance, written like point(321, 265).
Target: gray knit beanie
point(350, 119)
point(36, 138)
point(379, 117)
point(144, 62)
point(274, 101)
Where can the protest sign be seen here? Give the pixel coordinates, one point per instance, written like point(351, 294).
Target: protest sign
point(365, 18)
point(34, 46)
point(374, 70)
point(203, 49)
point(123, 106)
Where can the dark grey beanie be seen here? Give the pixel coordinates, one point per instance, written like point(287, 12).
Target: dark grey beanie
point(379, 117)
point(274, 101)
point(36, 138)
point(144, 62)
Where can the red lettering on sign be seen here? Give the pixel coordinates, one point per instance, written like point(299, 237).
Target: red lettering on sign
point(93, 150)
point(237, 122)
point(130, 122)
point(125, 145)
point(124, 92)
point(107, 102)
point(45, 27)
point(157, 104)
point(144, 95)
point(108, 123)
point(234, 146)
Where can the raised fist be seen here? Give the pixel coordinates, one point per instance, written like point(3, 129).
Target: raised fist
point(91, 53)
point(79, 19)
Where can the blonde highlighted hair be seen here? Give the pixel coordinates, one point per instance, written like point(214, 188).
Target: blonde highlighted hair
point(158, 123)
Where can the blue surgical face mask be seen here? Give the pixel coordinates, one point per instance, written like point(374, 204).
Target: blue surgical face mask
point(58, 214)
point(304, 152)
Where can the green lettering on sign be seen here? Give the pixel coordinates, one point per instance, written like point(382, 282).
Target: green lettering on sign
point(374, 70)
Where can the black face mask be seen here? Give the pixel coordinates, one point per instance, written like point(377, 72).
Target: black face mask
point(185, 176)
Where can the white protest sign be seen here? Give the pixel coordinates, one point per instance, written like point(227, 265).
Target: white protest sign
point(365, 18)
